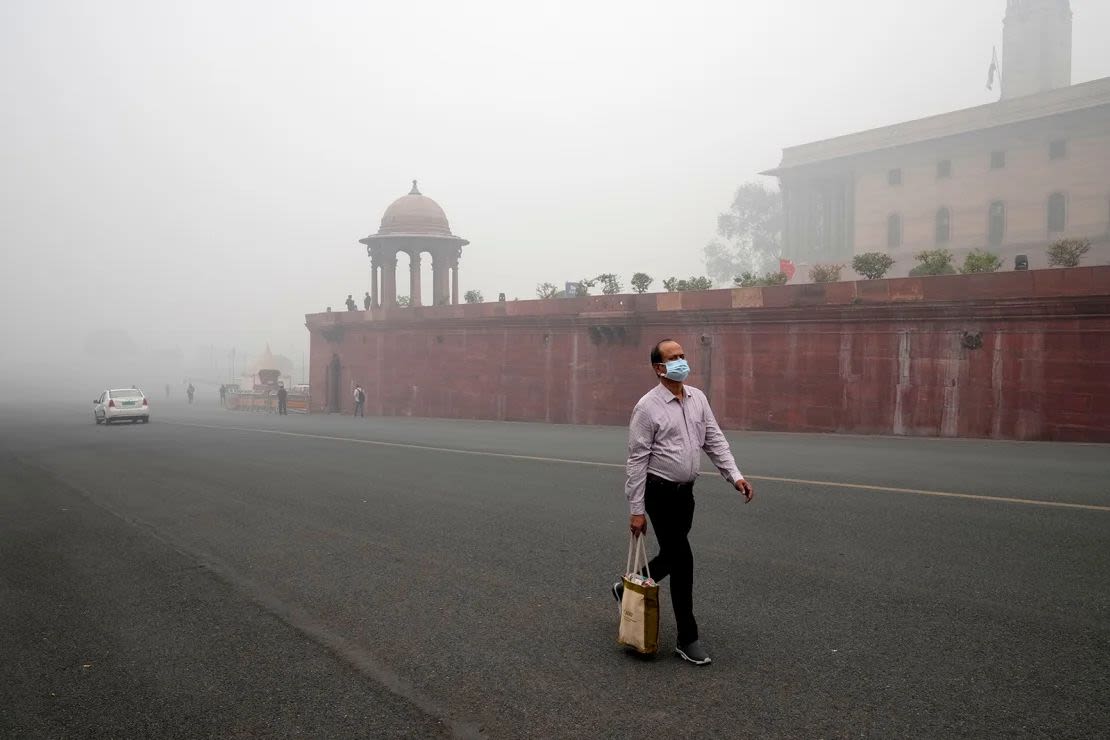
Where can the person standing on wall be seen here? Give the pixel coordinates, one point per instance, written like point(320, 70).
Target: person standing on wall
point(360, 401)
point(670, 427)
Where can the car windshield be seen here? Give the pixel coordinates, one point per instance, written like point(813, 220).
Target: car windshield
point(126, 393)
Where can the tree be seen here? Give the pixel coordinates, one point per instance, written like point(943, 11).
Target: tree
point(825, 273)
point(473, 296)
point(584, 286)
point(641, 281)
point(750, 234)
point(933, 262)
point(610, 284)
point(872, 265)
point(1068, 252)
point(404, 301)
point(545, 291)
point(675, 285)
point(979, 260)
point(749, 279)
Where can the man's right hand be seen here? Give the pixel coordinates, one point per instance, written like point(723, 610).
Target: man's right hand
point(637, 523)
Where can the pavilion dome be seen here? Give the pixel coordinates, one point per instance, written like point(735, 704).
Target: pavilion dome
point(414, 214)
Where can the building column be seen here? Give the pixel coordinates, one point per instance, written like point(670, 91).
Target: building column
point(389, 280)
point(414, 279)
point(440, 291)
point(375, 270)
point(455, 283)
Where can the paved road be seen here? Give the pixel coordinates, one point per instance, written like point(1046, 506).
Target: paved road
point(223, 574)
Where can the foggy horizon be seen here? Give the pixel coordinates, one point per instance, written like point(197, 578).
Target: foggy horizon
point(231, 157)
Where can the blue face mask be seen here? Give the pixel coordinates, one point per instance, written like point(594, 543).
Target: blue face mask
point(677, 370)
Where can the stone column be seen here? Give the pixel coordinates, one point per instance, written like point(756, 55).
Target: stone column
point(414, 279)
point(389, 280)
point(455, 283)
point(439, 280)
point(375, 270)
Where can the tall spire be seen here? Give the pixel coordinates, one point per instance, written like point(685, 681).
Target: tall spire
point(1036, 47)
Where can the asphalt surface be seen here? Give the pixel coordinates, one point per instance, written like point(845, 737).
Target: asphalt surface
point(227, 574)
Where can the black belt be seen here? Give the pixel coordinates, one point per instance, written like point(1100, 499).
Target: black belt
point(657, 482)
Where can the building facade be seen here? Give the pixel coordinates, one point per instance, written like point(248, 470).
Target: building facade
point(1009, 177)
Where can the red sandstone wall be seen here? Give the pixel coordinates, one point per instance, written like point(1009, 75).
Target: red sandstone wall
point(870, 357)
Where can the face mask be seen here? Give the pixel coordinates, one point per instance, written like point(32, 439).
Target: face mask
point(677, 370)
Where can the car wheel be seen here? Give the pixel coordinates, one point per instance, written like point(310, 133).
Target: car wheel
point(96, 419)
point(146, 419)
point(107, 421)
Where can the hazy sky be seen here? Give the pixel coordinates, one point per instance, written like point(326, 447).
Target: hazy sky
point(200, 172)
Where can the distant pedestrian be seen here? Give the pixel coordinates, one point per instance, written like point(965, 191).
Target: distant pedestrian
point(670, 427)
point(190, 391)
point(283, 397)
point(223, 395)
point(167, 390)
point(351, 306)
point(366, 302)
point(360, 401)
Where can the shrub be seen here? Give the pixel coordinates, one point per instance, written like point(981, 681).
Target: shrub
point(933, 262)
point(473, 296)
point(1068, 252)
point(641, 281)
point(751, 280)
point(872, 265)
point(675, 285)
point(825, 273)
point(979, 260)
point(545, 291)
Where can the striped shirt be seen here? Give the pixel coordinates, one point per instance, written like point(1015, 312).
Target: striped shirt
point(665, 438)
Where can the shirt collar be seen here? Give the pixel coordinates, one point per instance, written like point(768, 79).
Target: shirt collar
point(668, 396)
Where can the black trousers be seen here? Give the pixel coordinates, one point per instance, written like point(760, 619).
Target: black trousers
point(359, 406)
point(283, 407)
point(670, 506)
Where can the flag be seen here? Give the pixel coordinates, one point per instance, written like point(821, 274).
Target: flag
point(787, 267)
point(993, 68)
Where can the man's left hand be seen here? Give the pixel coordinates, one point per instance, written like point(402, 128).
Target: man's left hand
point(745, 488)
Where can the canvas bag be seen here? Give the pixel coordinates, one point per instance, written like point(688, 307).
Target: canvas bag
point(639, 628)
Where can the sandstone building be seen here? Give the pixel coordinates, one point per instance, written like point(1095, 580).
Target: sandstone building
point(1009, 177)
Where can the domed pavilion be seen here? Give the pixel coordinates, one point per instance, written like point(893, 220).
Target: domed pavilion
point(414, 224)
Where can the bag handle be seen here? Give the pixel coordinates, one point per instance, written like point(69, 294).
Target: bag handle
point(637, 554)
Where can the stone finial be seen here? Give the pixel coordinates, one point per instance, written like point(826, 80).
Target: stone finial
point(415, 190)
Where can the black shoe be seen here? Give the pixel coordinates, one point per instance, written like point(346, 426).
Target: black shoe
point(693, 653)
point(618, 591)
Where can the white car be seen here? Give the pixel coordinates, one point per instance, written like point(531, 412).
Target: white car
point(121, 404)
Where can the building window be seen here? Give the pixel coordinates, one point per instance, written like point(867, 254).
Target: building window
point(894, 177)
point(944, 169)
point(1057, 213)
point(1058, 149)
point(944, 226)
point(997, 228)
point(998, 160)
point(893, 231)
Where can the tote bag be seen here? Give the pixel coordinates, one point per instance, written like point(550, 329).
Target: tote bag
point(639, 627)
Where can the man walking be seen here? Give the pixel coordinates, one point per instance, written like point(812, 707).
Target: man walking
point(670, 426)
point(360, 401)
point(283, 398)
point(366, 302)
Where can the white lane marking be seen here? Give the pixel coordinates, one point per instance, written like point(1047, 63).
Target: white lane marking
point(537, 458)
